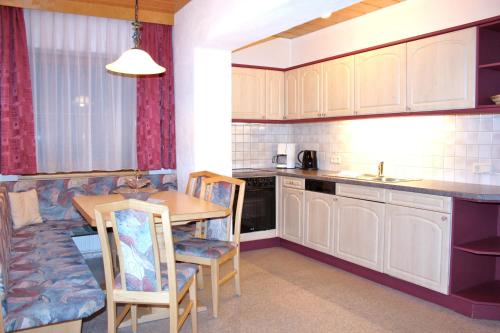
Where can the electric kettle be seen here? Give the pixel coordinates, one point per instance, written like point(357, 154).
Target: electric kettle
point(309, 160)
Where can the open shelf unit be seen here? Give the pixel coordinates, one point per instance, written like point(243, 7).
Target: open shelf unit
point(488, 63)
point(475, 260)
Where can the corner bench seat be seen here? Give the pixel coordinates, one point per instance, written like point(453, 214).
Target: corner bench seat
point(44, 279)
point(49, 281)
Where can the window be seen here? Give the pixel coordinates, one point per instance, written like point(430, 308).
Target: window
point(85, 117)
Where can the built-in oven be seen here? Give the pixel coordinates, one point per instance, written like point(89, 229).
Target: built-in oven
point(259, 206)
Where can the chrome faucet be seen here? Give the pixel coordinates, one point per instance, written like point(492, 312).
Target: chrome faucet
point(380, 169)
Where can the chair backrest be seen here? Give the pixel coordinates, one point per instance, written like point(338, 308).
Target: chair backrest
point(221, 190)
point(193, 187)
point(135, 236)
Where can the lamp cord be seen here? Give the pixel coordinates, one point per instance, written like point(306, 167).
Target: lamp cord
point(136, 25)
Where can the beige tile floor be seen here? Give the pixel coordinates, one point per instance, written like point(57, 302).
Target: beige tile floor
point(287, 292)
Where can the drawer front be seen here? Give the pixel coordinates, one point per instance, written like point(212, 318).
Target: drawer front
point(361, 192)
point(419, 200)
point(298, 183)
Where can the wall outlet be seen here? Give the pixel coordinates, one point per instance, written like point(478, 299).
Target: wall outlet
point(336, 159)
point(481, 168)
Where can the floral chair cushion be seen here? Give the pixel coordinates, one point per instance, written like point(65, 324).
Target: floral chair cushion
point(49, 281)
point(136, 245)
point(218, 229)
point(184, 273)
point(183, 232)
point(205, 248)
point(5, 245)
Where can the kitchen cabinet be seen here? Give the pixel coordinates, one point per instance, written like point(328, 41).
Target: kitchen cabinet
point(292, 214)
point(417, 246)
point(359, 232)
point(292, 110)
point(275, 95)
point(310, 91)
point(248, 93)
point(442, 71)
point(319, 215)
point(380, 80)
point(338, 87)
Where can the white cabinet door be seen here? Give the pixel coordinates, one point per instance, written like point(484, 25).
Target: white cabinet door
point(292, 110)
point(442, 71)
point(338, 87)
point(275, 94)
point(292, 214)
point(318, 221)
point(359, 232)
point(249, 93)
point(310, 89)
point(380, 84)
point(417, 246)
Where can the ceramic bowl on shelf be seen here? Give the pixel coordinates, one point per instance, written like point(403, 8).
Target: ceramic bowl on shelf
point(496, 99)
point(132, 193)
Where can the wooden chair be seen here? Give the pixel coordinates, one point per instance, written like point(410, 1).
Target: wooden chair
point(142, 278)
point(217, 248)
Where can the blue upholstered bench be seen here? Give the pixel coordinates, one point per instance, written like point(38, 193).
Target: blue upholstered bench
point(44, 279)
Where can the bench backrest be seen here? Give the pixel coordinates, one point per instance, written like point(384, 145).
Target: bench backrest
point(55, 195)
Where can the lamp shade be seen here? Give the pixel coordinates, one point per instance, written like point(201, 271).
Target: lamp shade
point(135, 62)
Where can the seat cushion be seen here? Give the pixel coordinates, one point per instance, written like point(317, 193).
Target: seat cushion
point(184, 272)
point(183, 232)
point(206, 248)
point(49, 281)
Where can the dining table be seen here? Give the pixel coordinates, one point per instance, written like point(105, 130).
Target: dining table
point(183, 209)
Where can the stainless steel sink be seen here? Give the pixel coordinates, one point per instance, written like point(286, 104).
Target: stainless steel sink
point(372, 178)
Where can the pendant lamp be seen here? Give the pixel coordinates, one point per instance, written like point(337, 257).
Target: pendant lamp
point(135, 61)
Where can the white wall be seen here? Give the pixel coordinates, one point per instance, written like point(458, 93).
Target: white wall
point(274, 53)
point(204, 34)
point(409, 18)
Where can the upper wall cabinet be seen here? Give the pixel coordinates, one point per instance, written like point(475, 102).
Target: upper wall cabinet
point(338, 87)
point(380, 84)
point(275, 95)
point(249, 93)
point(442, 71)
point(292, 94)
point(310, 90)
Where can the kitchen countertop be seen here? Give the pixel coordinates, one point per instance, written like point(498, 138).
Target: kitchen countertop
point(450, 189)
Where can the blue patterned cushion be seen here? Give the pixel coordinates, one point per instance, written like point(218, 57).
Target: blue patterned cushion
point(183, 232)
point(136, 245)
point(55, 195)
point(205, 248)
point(217, 229)
point(5, 245)
point(49, 281)
point(184, 272)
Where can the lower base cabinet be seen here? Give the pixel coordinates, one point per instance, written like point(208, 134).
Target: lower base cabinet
point(417, 246)
point(319, 215)
point(292, 214)
point(359, 233)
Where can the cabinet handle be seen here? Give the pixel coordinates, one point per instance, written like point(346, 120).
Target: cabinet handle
point(444, 218)
point(263, 117)
point(408, 108)
point(335, 199)
point(284, 117)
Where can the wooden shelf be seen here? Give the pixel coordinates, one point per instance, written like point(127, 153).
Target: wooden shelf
point(485, 293)
point(494, 65)
point(487, 246)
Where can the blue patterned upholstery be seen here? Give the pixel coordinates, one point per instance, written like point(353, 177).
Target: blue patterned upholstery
point(218, 229)
point(55, 195)
point(136, 246)
point(49, 281)
point(5, 245)
point(184, 272)
point(205, 248)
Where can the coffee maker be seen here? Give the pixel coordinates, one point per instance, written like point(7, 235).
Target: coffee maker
point(285, 157)
point(309, 160)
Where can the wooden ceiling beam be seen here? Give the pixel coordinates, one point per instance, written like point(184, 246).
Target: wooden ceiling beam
point(93, 8)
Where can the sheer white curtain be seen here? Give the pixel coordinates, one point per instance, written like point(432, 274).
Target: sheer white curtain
point(85, 117)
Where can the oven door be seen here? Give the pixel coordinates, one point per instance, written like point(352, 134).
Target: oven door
point(259, 210)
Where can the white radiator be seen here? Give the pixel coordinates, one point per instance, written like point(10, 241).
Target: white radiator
point(89, 246)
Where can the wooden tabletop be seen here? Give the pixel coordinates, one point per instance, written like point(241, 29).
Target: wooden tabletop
point(183, 208)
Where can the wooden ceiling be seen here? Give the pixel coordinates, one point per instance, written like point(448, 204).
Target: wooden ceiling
point(358, 9)
point(154, 11)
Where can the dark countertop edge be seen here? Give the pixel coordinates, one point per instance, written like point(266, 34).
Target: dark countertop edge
point(442, 188)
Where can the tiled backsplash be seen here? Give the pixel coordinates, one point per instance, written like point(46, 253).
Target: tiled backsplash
point(430, 147)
